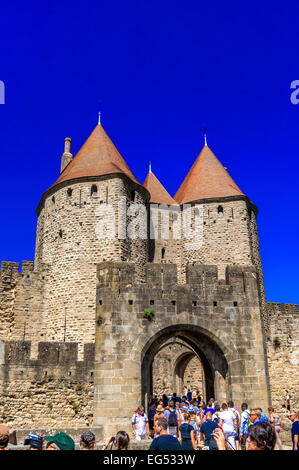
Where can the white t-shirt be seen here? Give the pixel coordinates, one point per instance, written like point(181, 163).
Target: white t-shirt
point(140, 423)
point(228, 420)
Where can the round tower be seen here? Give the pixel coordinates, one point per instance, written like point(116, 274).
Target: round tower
point(220, 218)
point(85, 218)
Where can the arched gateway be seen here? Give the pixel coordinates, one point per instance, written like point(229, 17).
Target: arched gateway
point(202, 343)
point(219, 321)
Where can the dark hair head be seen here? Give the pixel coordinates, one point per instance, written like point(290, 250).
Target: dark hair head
point(122, 440)
point(245, 405)
point(163, 423)
point(217, 407)
point(88, 438)
point(224, 406)
point(230, 404)
point(264, 435)
point(171, 404)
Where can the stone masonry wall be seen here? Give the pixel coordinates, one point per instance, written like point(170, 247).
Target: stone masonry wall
point(54, 391)
point(226, 237)
point(164, 370)
point(220, 320)
point(21, 302)
point(283, 354)
point(67, 243)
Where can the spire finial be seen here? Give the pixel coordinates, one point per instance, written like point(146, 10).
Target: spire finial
point(99, 123)
point(205, 134)
point(150, 167)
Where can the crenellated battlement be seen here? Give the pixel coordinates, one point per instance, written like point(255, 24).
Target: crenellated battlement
point(165, 275)
point(202, 285)
point(11, 268)
point(50, 354)
point(278, 308)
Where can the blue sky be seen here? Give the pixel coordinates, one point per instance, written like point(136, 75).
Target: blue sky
point(162, 72)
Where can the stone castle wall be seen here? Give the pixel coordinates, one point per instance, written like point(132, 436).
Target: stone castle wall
point(55, 390)
point(21, 303)
point(283, 354)
point(60, 295)
point(228, 237)
point(220, 320)
point(169, 377)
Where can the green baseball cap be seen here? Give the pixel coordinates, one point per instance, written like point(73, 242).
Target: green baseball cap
point(62, 440)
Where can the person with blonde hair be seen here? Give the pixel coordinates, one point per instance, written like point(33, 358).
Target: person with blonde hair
point(275, 421)
point(159, 414)
point(186, 434)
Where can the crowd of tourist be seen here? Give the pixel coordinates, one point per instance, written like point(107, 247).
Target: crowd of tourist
point(187, 423)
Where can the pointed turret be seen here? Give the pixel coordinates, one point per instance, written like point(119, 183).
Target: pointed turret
point(97, 157)
point(206, 179)
point(158, 193)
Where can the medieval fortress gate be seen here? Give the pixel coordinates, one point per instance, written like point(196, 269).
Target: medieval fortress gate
point(76, 349)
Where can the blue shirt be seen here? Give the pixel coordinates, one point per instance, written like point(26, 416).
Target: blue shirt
point(295, 432)
point(165, 442)
point(207, 429)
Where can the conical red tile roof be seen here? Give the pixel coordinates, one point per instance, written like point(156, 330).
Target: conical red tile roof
point(158, 193)
point(206, 179)
point(97, 157)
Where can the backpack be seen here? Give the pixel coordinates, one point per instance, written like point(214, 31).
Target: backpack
point(172, 419)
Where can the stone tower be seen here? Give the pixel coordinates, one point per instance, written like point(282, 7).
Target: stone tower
point(76, 218)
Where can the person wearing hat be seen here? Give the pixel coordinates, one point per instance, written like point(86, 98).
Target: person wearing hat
point(34, 441)
point(4, 436)
point(60, 441)
point(159, 414)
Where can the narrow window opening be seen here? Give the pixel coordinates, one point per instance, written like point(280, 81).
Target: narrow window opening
point(173, 302)
point(194, 303)
point(70, 373)
point(152, 302)
point(215, 304)
point(60, 233)
point(100, 302)
point(235, 304)
point(132, 196)
point(220, 210)
point(94, 189)
point(163, 253)
point(53, 199)
point(130, 302)
point(69, 192)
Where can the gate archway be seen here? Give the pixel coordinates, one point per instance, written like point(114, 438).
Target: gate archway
point(200, 341)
